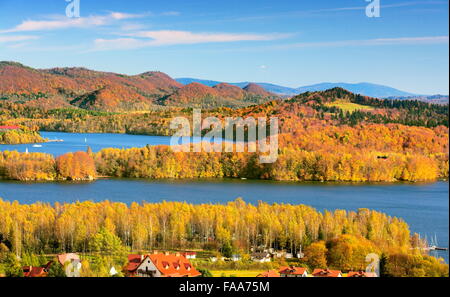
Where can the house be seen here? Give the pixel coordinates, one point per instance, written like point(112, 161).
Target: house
point(71, 263)
point(326, 273)
point(160, 265)
point(30, 271)
point(70, 257)
point(361, 274)
point(190, 255)
point(278, 254)
point(215, 259)
point(270, 273)
point(261, 257)
point(133, 263)
point(292, 271)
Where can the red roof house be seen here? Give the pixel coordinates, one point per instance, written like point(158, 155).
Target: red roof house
point(70, 257)
point(327, 273)
point(190, 255)
point(133, 263)
point(30, 271)
point(160, 265)
point(292, 271)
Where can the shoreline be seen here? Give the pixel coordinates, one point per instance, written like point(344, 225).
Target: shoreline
point(236, 179)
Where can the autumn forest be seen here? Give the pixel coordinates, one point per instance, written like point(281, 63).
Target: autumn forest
point(325, 136)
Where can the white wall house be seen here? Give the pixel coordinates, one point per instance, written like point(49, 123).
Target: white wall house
point(147, 269)
point(159, 265)
point(261, 257)
point(293, 271)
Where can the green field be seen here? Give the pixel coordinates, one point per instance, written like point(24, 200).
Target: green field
point(349, 106)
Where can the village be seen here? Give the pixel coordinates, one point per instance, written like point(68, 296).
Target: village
point(183, 264)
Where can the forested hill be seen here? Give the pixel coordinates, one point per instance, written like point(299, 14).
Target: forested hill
point(350, 108)
point(335, 107)
point(106, 91)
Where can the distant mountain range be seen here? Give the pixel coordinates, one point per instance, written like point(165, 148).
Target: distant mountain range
point(367, 89)
point(107, 91)
point(276, 89)
point(436, 99)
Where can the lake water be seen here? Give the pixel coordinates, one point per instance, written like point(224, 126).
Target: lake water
point(425, 207)
point(74, 142)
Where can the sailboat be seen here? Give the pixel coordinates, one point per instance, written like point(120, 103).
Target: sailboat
point(434, 243)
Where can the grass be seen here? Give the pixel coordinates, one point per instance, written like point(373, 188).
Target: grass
point(349, 106)
point(236, 273)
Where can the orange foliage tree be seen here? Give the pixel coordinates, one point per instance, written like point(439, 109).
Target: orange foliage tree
point(76, 166)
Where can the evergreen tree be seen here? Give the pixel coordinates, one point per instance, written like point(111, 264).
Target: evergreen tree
point(13, 267)
point(56, 270)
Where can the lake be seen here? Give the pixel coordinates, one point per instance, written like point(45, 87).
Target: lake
point(425, 207)
point(74, 142)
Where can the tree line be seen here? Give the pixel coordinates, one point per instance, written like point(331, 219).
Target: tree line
point(339, 239)
point(364, 153)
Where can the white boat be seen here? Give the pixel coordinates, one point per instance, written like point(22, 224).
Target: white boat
point(37, 145)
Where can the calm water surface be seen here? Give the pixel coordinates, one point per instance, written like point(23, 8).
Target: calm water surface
point(425, 207)
point(74, 142)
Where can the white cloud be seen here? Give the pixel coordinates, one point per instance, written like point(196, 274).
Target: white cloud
point(166, 37)
point(124, 16)
point(63, 22)
point(16, 38)
point(372, 42)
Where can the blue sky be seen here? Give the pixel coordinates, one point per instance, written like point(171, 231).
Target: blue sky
point(287, 42)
